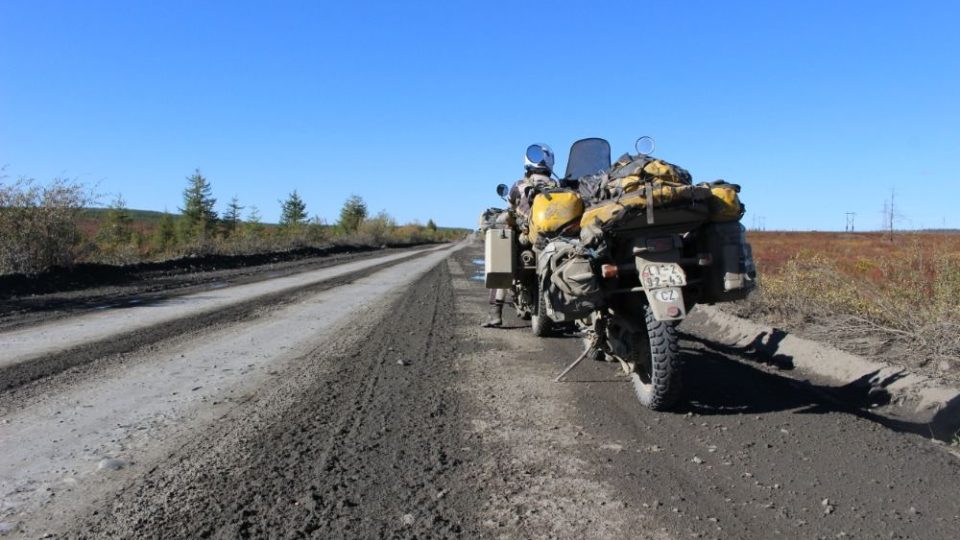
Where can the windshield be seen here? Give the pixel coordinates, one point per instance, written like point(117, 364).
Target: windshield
point(588, 156)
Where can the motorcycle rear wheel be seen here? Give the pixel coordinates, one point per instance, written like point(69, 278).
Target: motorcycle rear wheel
point(658, 365)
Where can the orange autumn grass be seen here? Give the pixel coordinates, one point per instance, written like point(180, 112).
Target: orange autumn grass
point(906, 289)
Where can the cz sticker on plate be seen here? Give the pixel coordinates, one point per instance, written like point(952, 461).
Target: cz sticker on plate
point(657, 276)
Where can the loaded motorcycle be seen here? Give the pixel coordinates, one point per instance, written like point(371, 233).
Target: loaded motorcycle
point(647, 246)
point(540, 211)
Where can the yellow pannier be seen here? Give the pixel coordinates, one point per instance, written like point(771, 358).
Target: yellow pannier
point(655, 171)
point(661, 196)
point(667, 172)
point(725, 202)
point(553, 211)
point(720, 199)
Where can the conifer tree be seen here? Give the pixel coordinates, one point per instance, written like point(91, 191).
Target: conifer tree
point(115, 229)
point(352, 214)
point(293, 211)
point(199, 217)
point(231, 217)
point(165, 236)
point(253, 227)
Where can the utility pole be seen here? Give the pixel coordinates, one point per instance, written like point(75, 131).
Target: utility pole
point(850, 217)
point(890, 213)
point(893, 213)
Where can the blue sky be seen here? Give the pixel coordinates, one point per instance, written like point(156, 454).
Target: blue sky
point(815, 108)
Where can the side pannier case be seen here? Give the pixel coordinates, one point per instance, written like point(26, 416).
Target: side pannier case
point(732, 275)
point(499, 258)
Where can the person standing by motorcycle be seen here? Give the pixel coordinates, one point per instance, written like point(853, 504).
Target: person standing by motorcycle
point(538, 167)
point(538, 170)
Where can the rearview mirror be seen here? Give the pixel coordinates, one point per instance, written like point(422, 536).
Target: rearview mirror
point(502, 191)
point(645, 145)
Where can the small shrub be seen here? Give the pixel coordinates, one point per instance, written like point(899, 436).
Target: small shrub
point(38, 224)
point(378, 229)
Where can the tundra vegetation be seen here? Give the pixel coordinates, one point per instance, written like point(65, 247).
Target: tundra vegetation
point(58, 224)
point(877, 294)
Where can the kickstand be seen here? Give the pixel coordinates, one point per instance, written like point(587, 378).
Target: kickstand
point(575, 362)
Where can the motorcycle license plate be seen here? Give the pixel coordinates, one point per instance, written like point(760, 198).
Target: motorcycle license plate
point(657, 276)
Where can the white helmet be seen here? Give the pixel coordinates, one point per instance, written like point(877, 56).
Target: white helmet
point(538, 157)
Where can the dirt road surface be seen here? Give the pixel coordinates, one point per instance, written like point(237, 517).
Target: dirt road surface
point(370, 404)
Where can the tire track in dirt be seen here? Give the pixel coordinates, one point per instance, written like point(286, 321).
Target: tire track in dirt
point(537, 479)
point(354, 444)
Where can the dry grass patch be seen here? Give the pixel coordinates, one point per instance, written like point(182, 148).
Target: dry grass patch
point(864, 291)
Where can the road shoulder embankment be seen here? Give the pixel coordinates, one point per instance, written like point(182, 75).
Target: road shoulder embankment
point(895, 395)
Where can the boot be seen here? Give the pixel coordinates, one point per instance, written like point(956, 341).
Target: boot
point(496, 316)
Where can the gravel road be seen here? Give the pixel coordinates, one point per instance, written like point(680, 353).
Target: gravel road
point(374, 406)
point(26, 301)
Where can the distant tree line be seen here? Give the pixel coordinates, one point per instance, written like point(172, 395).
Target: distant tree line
point(46, 226)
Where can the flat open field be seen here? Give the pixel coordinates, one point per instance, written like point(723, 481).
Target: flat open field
point(864, 291)
point(862, 255)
